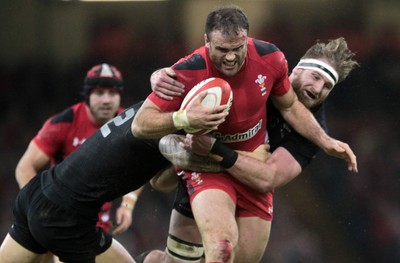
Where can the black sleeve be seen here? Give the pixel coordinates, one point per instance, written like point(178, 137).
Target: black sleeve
point(280, 134)
point(300, 148)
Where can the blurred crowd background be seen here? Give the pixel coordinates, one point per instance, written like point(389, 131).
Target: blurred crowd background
point(325, 215)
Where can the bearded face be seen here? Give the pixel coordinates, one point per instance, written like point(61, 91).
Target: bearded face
point(311, 87)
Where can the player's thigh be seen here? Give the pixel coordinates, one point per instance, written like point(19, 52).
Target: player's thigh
point(48, 258)
point(214, 212)
point(253, 238)
point(56, 259)
point(11, 252)
point(115, 253)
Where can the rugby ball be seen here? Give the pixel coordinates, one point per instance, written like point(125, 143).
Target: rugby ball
point(218, 93)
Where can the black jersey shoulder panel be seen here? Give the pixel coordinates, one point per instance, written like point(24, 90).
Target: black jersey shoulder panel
point(66, 116)
point(264, 48)
point(195, 62)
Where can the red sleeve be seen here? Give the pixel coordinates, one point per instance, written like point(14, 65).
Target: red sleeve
point(166, 105)
point(187, 77)
point(51, 136)
point(120, 110)
point(282, 85)
point(189, 70)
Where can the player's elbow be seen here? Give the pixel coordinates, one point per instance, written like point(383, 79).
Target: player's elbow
point(165, 180)
point(164, 188)
point(18, 177)
point(145, 124)
point(280, 168)
point(21, 175)
point(269, 180)
point(137, 131)
point(278, 179)
point(138, 128)
point(266, 186)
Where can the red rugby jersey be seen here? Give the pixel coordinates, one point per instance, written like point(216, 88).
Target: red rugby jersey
point(64, 132)
point(264, 72)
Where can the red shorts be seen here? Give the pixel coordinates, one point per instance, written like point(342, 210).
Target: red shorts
point(105, 221)
point(248, 201)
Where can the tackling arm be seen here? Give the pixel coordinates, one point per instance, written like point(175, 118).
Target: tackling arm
point(264, 176)
point(165, 180)
point(302, 120)
point(259, 169)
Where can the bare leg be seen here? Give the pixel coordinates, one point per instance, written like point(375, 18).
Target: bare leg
point(12, 252)
point(115, 253)
point(56, 259)
point(155, 256)
point(214, 212)
point(253, 238)
point(182, 227)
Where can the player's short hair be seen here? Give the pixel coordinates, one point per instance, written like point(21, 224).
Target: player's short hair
point(230, 20)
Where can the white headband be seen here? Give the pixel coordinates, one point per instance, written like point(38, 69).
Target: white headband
point(321, 67)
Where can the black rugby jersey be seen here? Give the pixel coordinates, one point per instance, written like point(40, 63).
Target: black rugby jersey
point(109, 164)
point(280, 133)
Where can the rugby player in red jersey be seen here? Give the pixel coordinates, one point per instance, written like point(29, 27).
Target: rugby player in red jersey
point(233, 219)
point(64, 132)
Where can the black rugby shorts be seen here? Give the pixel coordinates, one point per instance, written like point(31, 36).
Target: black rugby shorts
point(40, 226)
point(182, 200)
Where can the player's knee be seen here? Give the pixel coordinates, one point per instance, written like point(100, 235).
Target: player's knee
point(150, 256)
point(224, 250)
point(155, 256)
point(183, 251)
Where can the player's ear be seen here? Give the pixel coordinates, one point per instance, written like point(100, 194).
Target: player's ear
point(296, 71)
point(206, 41)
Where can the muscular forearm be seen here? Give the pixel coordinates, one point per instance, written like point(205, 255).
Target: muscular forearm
point(253, 173)
point(150, 122)
point(259, 169)
point(165, 180)
point(279, 169)
point(129, 200)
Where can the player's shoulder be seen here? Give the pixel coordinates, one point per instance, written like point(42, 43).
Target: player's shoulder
point(68, 114)
point(194, 61)
point(263, 48)
point(267, 54)
point(120, 110)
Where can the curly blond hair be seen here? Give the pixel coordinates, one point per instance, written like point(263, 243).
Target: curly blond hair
point(337, 52)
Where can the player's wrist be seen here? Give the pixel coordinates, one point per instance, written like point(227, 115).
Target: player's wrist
point(127, 205)
point(228, 155)
point(129, 200)
point(180, 119)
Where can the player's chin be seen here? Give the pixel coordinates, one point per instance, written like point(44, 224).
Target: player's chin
point(229, 71)
point(105, 116)
point(106, 112)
